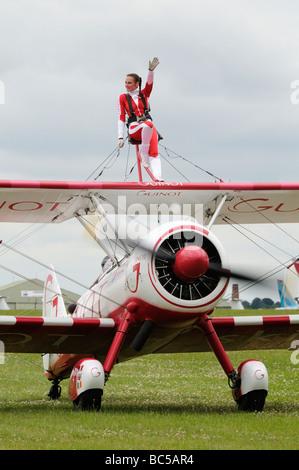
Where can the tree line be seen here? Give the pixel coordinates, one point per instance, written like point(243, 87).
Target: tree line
point(258, 303)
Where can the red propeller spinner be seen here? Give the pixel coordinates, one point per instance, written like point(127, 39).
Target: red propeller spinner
point(191, 262)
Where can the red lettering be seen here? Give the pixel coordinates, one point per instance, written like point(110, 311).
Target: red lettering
point(55, 305)
point(160, 193)
point(136, 268)
point(55, 205)
point(281, 205)
point(38, 206)
point(256, 208)
point(31, 205)
point(250, 208)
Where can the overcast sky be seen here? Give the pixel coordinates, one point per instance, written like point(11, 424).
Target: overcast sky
point(222, 98)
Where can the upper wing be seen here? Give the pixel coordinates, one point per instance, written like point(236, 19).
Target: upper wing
point(51, 202)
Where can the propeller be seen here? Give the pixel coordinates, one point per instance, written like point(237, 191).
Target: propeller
point(192, 262)
point(189, 263)
point(228, 273)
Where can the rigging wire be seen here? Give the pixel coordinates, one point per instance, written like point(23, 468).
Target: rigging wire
point(110, 159)
point(25, 237)
point(173, 166)
point(32, 281)
point(270, 273)
point(40, 284)
point(50, 268)
point(231, 222)
point(127, 175)
point(167, 150)
point(266, 276)
point(271, 221)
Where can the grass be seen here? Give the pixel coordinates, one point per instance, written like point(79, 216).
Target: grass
point(160, 402)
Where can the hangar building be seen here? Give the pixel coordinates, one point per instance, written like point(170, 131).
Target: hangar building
point(28, 295)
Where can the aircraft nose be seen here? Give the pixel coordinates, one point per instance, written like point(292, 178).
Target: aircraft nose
point(191, 262)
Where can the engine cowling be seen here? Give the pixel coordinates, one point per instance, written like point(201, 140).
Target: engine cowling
point(180, 264)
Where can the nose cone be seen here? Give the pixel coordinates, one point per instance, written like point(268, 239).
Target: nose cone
point(191, 262)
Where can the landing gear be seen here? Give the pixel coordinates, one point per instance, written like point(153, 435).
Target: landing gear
point(89, 400)
point(250, 394)
point(86, 384)
point(249, 383)
point(55, 390)
point(88, 376)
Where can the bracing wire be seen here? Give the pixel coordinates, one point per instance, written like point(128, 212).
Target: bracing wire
point(273, 271)
point(47, 267)
point(109, 160)
point(128, 174)
point(167, 150)
point(273, 223)
point(24, 236)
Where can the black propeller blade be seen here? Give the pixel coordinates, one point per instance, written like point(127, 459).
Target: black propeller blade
point(217, 269)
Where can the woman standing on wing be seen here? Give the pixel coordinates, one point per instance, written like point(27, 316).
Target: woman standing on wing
point(135, 105)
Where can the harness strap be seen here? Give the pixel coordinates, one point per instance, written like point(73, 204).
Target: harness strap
point(146, 109)
point(130, 104)
point(133, 116)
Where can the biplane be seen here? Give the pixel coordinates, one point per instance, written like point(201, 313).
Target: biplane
point(159, 295)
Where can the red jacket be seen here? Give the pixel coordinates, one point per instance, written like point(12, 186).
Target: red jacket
point(138, 108)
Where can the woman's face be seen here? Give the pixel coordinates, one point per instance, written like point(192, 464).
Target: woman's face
point(130, 83)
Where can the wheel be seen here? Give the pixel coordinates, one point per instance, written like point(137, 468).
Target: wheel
point(89, 400)
point(252, 401)
point(55, 391)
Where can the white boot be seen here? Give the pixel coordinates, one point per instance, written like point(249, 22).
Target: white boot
point(155, 166)
point(145, 159)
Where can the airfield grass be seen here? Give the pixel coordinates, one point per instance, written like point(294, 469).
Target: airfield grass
point(158, 402)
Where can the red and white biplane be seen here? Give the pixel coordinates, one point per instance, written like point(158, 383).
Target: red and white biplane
point(158, 296)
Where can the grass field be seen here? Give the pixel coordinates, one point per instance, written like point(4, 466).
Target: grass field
point(160, 402)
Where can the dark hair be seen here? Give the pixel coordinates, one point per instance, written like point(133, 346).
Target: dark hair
point(136, 78)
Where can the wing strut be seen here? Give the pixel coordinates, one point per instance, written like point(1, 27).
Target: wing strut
point(99, 208)
point(94, 236)
point(216, 213)
point(205, 324)
point(120, 336)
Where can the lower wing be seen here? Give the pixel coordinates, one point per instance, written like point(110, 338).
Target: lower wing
point(94, 335)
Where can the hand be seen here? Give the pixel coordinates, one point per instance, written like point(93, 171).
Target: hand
point(153, 63)
point(120, 143)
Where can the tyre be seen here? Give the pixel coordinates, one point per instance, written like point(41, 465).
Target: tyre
point(54, 392)
point(252, 401)
point(89, 400)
